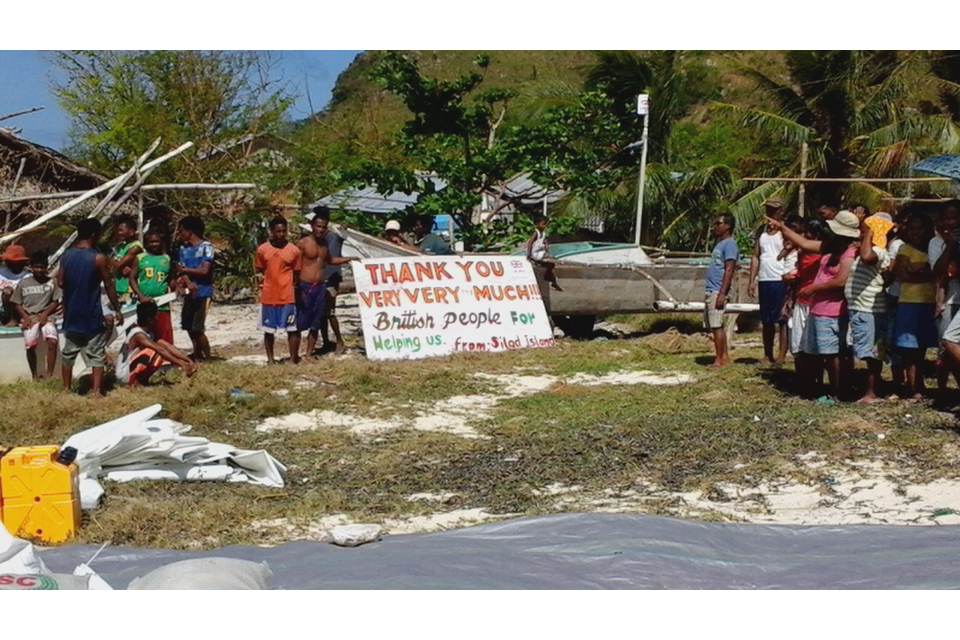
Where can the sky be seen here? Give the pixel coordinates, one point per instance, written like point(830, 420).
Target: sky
point(25, 78)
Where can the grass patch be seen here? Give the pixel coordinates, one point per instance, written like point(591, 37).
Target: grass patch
point(739, 424)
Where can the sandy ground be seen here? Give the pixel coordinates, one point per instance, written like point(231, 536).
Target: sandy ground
point(854, 492)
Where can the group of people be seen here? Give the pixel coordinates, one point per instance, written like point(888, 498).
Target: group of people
point(845, 286)
point(89, 289)
point(299, 283)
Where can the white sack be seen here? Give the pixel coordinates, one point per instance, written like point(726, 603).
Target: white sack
point(206, 573)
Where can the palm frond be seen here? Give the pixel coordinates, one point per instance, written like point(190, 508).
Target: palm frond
point(544, 96)
point(778, 127)
point(789, 104)
point(748, 209)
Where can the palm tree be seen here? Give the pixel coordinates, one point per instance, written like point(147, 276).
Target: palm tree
point(675, 202)
point(853, 110)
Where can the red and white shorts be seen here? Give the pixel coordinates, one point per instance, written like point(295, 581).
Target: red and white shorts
point(31, 336)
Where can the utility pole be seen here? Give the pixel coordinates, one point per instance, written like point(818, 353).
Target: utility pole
point(643, 109)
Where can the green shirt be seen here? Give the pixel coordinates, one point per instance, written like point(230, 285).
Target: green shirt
point(152, 274)
point(120, 282)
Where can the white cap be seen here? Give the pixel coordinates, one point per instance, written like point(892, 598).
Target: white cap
point(392, 225)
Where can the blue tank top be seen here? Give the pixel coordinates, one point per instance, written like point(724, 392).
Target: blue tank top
point(82, 312)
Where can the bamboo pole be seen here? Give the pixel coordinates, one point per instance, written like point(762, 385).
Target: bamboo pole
point(803, 175)
point(86, 196)
point(880, 180)
point(20, 113)
point(63, 195)
point(150, 168)
point(13, 192)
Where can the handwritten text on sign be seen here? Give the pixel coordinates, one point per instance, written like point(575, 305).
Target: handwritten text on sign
point(434, 305)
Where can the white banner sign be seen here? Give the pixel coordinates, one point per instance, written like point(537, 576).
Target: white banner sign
point(425, 306)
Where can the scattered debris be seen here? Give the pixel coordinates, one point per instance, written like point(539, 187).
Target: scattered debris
point(354, 535)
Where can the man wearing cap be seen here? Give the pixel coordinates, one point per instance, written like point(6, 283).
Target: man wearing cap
point(11, 273)
point(391, 232)
point(766, 266)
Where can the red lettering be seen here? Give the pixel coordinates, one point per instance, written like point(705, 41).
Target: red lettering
point(483, 269)
point(372, 270)
point(405, 274)
point(412, 295)
point(441, 268)
point(497, 268)
point(465, 267)
point(427, 294)
point(509, 293)
point(481, 293)
point(367, 298)
point(523, 293)
point(423, 271)
point(26, 581)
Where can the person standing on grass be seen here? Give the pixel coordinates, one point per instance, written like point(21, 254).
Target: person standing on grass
point(141, 355)
point(278, 260)
point(942, 255)
point(866, 304)
point(805, 272)
point(332, 278)
point(14, 269)
point(314, 259)
point(150, 278)
point(124, 255)
point(36, 299)
point(194, 273)
point(83, 270)
point(825, 336)
point(915, 329)
point(719, 279)
point(766, 279)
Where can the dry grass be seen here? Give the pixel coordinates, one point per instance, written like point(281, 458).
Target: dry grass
point(599, 437)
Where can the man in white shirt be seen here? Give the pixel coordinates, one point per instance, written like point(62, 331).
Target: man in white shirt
point(766, 270)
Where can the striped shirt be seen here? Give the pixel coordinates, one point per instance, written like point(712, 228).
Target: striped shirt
point(864, 287)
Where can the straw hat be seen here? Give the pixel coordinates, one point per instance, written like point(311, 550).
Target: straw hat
point(845, 224)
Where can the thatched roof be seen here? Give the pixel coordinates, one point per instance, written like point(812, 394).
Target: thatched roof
point(44, 165)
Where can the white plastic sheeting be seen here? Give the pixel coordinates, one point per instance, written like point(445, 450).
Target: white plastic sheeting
point(140, 446)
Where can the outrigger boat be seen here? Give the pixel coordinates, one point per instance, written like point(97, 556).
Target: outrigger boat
point(594, 285)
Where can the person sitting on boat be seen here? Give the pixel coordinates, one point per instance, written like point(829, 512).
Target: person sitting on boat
point(14, 269)
point(391, 232)
point(36, 299)
point(141, 356)
point(538, 250)
point(428, 242)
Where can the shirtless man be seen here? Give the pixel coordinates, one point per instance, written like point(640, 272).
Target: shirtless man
point(314, 259)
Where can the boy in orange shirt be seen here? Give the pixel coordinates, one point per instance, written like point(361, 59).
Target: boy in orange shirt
point(279, 262)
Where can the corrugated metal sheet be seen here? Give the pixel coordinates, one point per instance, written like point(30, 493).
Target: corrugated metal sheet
point(369, 200)
point(521, 187)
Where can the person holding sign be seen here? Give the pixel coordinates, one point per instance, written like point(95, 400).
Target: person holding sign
point(312, 300)
point(279, 263)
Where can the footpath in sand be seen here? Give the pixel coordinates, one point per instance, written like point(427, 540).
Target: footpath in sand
point(850, 492)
